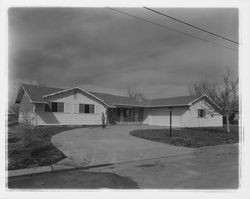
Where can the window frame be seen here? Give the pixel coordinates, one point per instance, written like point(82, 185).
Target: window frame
point(86, 108)
point(48, 106)
point(127, 112)
point(201, 113)
point(58, 104)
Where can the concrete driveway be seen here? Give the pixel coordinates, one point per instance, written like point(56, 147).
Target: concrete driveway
point(113, 144)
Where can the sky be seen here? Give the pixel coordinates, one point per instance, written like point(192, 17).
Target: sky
point(102, 50)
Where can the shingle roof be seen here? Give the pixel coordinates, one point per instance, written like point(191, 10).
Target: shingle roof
point(173, 101)
point(36, 94)
point(118, 100)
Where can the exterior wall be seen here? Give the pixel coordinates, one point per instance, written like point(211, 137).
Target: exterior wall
point(161, 116)
point(26, 111)
point(146, 116)
point(71, 117)
point(212, 118)
point(184, 116)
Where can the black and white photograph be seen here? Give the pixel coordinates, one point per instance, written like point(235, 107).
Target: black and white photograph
point(123, 98)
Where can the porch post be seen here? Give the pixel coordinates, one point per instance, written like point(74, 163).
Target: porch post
point(107, 115)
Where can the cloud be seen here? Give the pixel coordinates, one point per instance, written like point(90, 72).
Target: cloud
point(97, 47)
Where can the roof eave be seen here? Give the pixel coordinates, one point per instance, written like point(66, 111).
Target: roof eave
point(198, 98)
point(134, 105)
point(173, 105)
point(65, 90)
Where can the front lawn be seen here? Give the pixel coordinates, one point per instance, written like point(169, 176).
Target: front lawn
point(29, 147)
point(190, 137)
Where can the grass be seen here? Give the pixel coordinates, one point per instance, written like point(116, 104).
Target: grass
point(29, 147)
point(190, 137)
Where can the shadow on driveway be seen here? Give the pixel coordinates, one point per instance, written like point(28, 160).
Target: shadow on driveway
point(75, 179)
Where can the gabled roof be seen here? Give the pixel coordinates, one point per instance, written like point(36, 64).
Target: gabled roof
point(40, 94)
point(35, 93)
point(173, 101)
point(119, 100)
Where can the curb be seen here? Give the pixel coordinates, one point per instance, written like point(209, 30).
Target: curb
point(36, 170)
point(52, 168)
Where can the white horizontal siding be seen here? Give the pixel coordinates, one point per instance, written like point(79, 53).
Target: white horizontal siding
point(71, 115)
point(185, 116)
point(68, 119)
point(161, 116)
point(212, 118)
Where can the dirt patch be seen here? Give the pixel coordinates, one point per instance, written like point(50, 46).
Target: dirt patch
point(29, 147)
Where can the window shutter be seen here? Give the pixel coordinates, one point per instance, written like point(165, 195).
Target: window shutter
point(204, 112)
point(60, 107)
point(92, 108)
point(67, 107)
point(75, 108)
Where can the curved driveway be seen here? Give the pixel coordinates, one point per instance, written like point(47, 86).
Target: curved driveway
point(113, 144)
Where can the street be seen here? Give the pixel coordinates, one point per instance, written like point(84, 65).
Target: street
point(212, 168)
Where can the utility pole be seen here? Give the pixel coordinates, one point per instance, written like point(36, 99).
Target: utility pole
point(170, 121)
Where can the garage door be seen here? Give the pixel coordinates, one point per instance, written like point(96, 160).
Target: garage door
point(160, 116)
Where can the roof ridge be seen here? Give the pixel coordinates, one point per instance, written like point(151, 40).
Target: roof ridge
point(172, 97)
point(108, 94)
point(44, 86)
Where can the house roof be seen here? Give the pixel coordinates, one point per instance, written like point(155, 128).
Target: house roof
point(118, 100)
point(38, 94)
point(173, 101)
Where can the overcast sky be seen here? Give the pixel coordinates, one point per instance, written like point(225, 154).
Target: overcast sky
point(102, 50)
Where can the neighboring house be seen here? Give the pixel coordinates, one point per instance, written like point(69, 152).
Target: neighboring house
point(39, 105)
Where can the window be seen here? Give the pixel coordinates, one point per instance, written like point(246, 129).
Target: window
point(86, 108)
point(201, 113)
point(57, 107)
point(127, 112)
point(54, 106)
point(47, 108)
point(81, 108)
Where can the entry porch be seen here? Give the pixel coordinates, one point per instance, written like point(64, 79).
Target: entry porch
point(125, 115)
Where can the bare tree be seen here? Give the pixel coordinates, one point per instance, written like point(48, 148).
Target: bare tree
point(13, 108)
point(38, 82)
point(225, 96)
point(136, 95)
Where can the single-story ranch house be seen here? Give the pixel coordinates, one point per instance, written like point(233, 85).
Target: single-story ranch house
point(39, 105)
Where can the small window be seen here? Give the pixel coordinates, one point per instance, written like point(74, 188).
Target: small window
point(57, 107)
point(86, 108)
point(81, 108)
point(127, 112)
point(54, 106)
point(47, 108)
point(201, 113)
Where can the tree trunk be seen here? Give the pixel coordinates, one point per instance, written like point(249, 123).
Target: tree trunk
point(228, 124)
